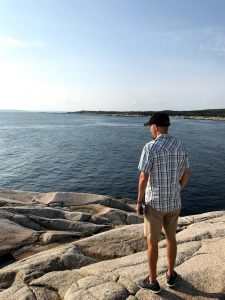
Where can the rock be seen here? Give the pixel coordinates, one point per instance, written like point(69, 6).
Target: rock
point(22, 197)
point(26, 222)
point(19, 219)
point(7, 278)
point(56, 259)
point(14, 236)
point(58, 236)
point(22, 292)
point(69, 199)
point(114, 243)
point(130, 285)
point(90, 209)
point(118, 205)
point(110, 291)
point(74, 258)
point(133, 218)
point(78, 216)
point(65, 225)
point(63, 281)
point(100, 220)
point(99, 280)
point(42, 293)
point(45, 212)
point(77, 199)
point(117, 217)
point(203, 274)
point(29, 210)
point(56, 205)
point(131, 298)
point(108, 264)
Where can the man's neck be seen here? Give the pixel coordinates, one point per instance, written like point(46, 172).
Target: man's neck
point(161, 132)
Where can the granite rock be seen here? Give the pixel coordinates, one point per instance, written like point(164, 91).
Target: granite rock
point(106, 265)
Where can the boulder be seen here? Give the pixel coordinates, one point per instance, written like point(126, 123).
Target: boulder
point(14, 236)
point(69, 198)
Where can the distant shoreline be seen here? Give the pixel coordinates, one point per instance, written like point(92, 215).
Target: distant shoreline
point(212, 118)
point(208, 114)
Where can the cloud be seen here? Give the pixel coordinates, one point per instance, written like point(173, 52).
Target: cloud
point(214, 40)
point(15, 43)
point(208, 39)
point(219, 45)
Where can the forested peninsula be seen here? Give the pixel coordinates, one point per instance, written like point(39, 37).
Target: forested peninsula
point(198, 114)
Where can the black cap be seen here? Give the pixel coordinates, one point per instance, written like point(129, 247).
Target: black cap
point(160, 119)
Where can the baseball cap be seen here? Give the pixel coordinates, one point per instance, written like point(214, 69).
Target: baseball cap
point(160, 119)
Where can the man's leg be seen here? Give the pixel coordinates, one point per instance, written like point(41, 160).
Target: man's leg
point(153, 227)
point(171, 253)
point(170, 226)
point(152, 252)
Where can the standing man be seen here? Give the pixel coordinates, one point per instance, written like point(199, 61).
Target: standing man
point(164, 173)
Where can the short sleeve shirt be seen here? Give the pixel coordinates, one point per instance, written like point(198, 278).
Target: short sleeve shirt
point(165, 159)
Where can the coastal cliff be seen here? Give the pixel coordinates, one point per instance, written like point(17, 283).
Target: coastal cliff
point(90, 247)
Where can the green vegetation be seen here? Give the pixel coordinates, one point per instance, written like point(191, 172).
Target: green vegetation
point(219, 113)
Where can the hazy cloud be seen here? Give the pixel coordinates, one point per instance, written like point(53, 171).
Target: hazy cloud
point(214, 40)
point(210, 38)
point(15, 43)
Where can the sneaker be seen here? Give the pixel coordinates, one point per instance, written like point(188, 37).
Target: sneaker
point(153, 287)
point(171, 280)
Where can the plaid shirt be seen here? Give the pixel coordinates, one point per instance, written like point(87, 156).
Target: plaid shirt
point(165, 159)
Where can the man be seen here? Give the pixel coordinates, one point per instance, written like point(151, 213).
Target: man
point(164, 173)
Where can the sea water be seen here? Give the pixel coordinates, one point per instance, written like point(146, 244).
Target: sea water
point(46, 152)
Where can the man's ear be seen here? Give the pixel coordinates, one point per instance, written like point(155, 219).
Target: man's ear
point(155, 127)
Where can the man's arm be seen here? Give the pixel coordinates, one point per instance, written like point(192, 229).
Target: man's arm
point(185, 178)
point(143, 180)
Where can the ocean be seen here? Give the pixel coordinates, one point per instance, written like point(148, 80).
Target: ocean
point(46, 152)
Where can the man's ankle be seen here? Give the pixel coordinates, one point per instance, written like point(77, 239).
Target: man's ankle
point(170, 272)
point(152, 280)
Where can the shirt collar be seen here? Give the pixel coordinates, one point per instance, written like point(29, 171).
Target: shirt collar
point(162, 136)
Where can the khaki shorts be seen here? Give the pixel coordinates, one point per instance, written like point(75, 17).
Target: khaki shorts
point(156, 220)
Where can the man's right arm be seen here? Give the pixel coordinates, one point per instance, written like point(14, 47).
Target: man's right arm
point(143, 180)
point(185, 178)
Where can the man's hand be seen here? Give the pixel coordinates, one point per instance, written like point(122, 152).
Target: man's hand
point(185, 178)
point(143, 180)
point(139, 208)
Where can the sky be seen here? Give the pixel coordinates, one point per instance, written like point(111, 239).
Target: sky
point(71, 55)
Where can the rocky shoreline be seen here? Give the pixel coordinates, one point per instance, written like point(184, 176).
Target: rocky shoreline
point(205, 118)
point(90, 247)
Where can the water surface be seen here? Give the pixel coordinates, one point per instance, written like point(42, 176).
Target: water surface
point(100, 154)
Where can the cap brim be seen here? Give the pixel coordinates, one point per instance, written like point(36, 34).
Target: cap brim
point(147, 123)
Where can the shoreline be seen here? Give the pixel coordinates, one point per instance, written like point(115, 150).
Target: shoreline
point(207, 114)
point(204, 118)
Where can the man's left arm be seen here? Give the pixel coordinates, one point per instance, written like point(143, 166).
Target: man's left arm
point(185, 178)
point(143, 180)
